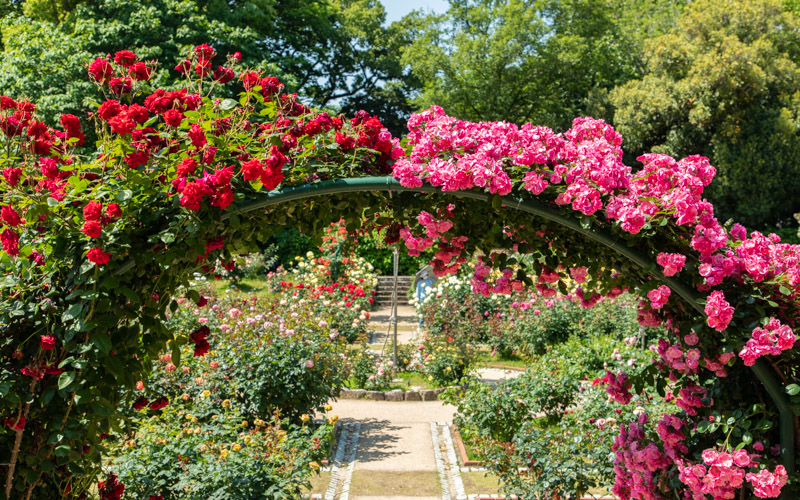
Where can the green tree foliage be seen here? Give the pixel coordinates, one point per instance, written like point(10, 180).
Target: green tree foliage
point(540, 61)
point(337, 55)
point(725, 84)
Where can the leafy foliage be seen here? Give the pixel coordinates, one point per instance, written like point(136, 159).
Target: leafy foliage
point(723, 83)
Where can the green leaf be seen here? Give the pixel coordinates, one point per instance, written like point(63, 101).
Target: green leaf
point(793, 389)
point(73, 312)
point(102, 341)
point(747, 438)
point(227, 104)
point(124, 195)
point(65, 379)
point(785, 290)
point(167, 238)
point(52, 202)
point(176, 354)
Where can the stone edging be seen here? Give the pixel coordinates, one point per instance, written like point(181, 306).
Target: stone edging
point(393, 395)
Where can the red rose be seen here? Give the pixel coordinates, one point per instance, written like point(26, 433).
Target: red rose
point(250, 80)
point(121, 85)
point(159, 403)
point(36, 129)
point(215, 244)
point(92, 228)
point(124, 58)
point(72, 126)
point(109, 109)
point(251, 170)
point(201, 348)
point(93, 210)
point(140, 403)
point(200, 334)
point(345, 142)
point(204, 52)
point(140, 72)
point(15, 423)
point(201, 302)
point(270, 86)
point(7, 103)
point(186, 166)
point(184, 66)
point(10, 242)
point(223, 75)
point(138, 113)
point(122, 124)
point(12, 175)
point(203, 68)
point(100, 70)
point(110, 489)
point(98, 256)
point(237, 56)
point(137, 158)
point(47, 342)
point(173, 117)
point(10, 216)
point(197, 136)
point(113, 210)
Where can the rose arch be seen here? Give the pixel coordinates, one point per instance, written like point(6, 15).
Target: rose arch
point(96, 247)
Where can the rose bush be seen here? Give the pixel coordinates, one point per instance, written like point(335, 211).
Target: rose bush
point(95, 249)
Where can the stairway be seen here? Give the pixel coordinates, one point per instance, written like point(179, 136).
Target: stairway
point(383, 295)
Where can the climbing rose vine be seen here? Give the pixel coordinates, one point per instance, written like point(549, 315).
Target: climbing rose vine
point(99, 244)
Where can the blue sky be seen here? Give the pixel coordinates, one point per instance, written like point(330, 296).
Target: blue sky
point(396, 9)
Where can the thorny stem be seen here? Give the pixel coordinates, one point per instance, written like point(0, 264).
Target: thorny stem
point(12, 465)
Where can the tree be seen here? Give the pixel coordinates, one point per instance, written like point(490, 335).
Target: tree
point(335, 54)
point(725, 84)
point(540, 61)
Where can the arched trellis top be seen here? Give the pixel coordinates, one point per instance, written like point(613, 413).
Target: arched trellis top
point(533, 207)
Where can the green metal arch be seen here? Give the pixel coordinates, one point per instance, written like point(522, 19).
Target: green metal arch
point(533, 207)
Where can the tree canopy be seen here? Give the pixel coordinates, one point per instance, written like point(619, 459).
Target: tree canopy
point(336, 55)
point(725, 84)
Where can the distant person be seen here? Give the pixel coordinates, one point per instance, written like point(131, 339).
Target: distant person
point(424, 283)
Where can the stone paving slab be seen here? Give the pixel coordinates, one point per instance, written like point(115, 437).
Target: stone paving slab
point(494, 375)
point(401, 412)
point(389, 446)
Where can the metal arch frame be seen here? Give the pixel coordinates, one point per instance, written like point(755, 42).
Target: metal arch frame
point(533, 207)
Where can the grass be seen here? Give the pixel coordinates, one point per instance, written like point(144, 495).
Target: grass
point(472, 451)
point(387, 483)
point(245, 288)
point(413, 379)
point(485, 359)
point(319, 483)
point(476, 483)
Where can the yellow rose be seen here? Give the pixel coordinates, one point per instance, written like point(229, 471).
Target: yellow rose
point(189, 416)
point(226, 403)
point(328, 407)
point(333, 419)
point(304, 417)
point(236, 447)
point(206, 393)
point(314, 465)
point(223, 453)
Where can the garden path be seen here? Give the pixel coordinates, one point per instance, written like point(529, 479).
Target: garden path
point(380, 323)
point(394, 455)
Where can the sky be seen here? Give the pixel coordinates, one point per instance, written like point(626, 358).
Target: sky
point(396, 9)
